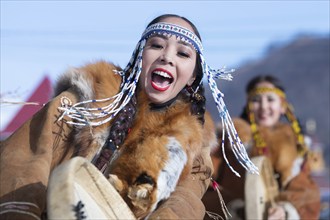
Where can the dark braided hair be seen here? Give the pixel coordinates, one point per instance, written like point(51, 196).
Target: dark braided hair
point(122, 123)
point(118, 132)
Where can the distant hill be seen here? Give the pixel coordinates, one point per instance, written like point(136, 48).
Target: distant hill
point(303, 66)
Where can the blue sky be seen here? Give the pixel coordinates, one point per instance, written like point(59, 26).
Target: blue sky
point(41, 38)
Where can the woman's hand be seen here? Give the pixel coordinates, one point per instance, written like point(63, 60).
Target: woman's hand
point(276, 213)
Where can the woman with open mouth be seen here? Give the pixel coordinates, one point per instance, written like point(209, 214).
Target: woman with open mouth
point(144, 128)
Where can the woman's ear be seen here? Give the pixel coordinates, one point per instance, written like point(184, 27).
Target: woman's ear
point(191, 81)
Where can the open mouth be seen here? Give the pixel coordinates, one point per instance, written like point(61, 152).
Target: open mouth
point(161, 80)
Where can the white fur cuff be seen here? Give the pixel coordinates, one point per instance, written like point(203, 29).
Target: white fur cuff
point(291, 211)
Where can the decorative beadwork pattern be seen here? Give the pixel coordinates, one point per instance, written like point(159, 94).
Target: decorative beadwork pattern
point(165, 28)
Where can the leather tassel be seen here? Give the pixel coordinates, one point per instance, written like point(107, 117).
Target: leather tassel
point(216, 187)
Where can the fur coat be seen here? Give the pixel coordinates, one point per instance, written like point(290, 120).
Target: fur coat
point(298, 193)
point(30, 154)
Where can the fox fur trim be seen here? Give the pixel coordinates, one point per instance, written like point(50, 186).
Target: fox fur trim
point(282, 146)
point(161, 146)
point(93, 81)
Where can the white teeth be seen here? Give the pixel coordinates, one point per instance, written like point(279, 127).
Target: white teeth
point(163, 74)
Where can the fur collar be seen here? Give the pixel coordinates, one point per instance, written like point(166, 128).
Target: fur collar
point(98, 80)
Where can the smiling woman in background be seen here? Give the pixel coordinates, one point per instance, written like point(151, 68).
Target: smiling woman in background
point(264, 134)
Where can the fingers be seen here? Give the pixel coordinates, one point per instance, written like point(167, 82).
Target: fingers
point(276, 213)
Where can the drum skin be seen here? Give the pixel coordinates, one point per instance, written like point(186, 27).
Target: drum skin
point(260, 190)
point(77, 190)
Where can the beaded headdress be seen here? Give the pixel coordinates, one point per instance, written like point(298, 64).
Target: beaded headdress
point(83, 115)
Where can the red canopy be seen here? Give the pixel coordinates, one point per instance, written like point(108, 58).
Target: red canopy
point(40, 95)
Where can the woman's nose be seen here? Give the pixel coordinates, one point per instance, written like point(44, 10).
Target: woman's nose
point(263, 103)
point(167, 58)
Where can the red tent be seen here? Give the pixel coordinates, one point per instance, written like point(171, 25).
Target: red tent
point(41, 95)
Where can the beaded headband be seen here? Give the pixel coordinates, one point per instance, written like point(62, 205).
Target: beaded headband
point(83, 115)
point(262, 90)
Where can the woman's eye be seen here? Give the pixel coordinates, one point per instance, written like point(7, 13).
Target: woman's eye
point(183, 54)
point(157, 46)
point(271, 99)
point(256, 99)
